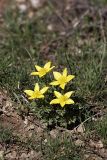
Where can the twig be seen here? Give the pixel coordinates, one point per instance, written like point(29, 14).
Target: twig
point(24, 99)
point(77, 23)
point(89, 118)
point(57, 14)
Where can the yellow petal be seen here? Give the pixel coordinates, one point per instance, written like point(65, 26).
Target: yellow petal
point(68, 94)
point(63, 85)
point(42, 96)
point(57, 94)
point(51, 68)
point(34, 73)
point(36, 88)
point(57, 75)
point(54, 83)
point(43, 90)
point(29, 92)
point(70, 77)
point(38, 68)
point(70, 101)
point(41, 75)
point(54, 101)
point(47, 65)
point(65, 72)
point(62, 104)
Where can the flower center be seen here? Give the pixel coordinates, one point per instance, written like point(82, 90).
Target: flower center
point(62, 79)
point(63, 99)
point(43, 71)
point(36, 94)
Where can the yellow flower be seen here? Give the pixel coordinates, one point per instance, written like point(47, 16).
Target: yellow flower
point(41, 71)
point(37, 93)
point(61, 79)
point(62, 99)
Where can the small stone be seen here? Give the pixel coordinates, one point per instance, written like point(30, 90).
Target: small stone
point(54, 133)
point(36, 3)
point(67, 8)
point(81, 128)
point(45, 140)
point(86, 156)
point(26, 121)
point(50, 27)
point(39, 130)
point(62, 33)
point(103, 153)
point(31, 127)
point(79, 143)
point(30, 14)
point(33, 154)
point(1, 155)
point(92, 157)
point(22, 8)
point(98, 144)
point(11, 155)
point(30, 134)
point(24, 155)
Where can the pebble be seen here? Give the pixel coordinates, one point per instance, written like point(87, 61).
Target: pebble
point(1, 154)
point(79, 143)
point(81, 128)
point(98, 144)
point(50, 27)
point(54, 133)
point(22, 8)
point(92, 157)
point(35, 3)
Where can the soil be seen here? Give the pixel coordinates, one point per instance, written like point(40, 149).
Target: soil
point(24, 127)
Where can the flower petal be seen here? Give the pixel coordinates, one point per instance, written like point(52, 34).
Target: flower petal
point(41, 96)
point(41, 74)
point(65, 72)
point(70, 101)
point(43, 90)
point(70, 77)
point(29, 92)
point(63, 85)
point(31, 98)
point(51, 68)
point(62, 104)
point(57, 94)
point(54, 101)
point(38, 68)
point(54, 83)
point(57, 75)
point(34, 73)
point(68, 94)
point(47, 65)
point(36, 88)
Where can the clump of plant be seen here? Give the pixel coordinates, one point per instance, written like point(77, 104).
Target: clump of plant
point(50, 99)
point(61, 148)
point(6, 135)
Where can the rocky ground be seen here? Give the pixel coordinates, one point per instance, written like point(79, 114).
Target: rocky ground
point(22, 136)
